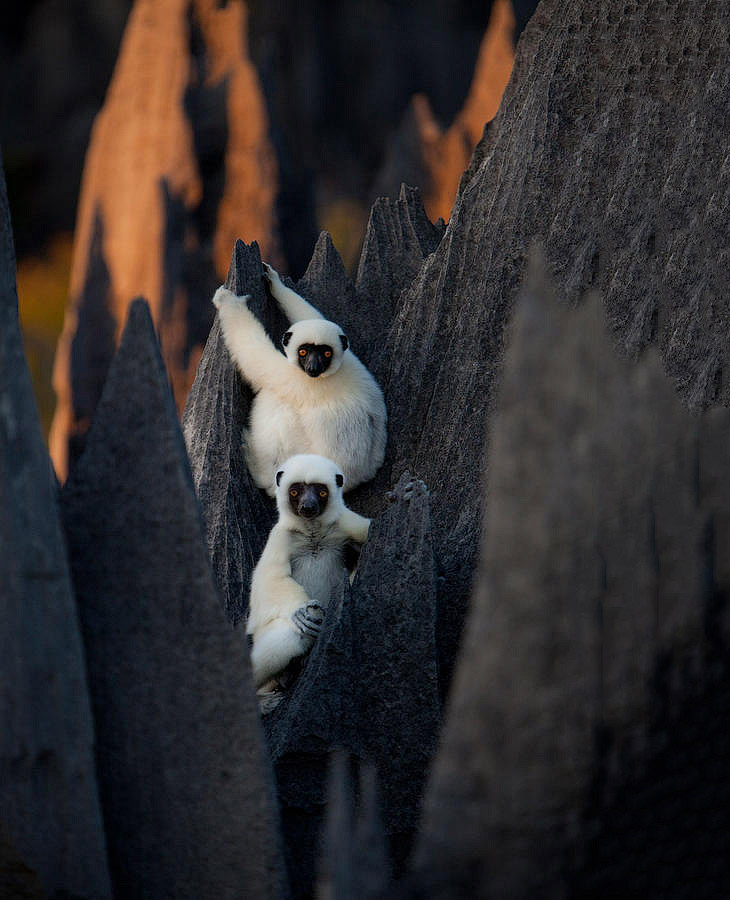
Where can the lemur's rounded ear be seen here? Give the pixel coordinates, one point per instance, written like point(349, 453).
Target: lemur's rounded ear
point(285, 339)
point(278, 477)
point(339, 479)
point(345, 343)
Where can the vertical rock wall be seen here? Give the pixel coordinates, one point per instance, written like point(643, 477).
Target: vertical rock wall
point(185, 785)
point(49, 805)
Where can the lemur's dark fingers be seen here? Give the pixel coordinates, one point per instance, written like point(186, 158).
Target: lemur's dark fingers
point(415, 488)
point(307, 624)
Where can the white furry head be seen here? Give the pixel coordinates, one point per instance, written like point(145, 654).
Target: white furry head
point(309, 469)
point(316, 346)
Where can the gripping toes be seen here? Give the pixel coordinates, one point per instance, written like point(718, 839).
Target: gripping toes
point(308, 619)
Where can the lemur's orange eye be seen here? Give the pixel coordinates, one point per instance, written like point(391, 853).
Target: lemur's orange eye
point(323, 493)
point(302, 352)
point(293, 493)
point(328, 353)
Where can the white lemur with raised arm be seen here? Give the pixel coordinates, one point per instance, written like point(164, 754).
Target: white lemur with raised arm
point(318, 398)
point(302, 563)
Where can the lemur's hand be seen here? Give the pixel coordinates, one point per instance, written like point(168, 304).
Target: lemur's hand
point(308, 619)
point(270, 274)
point(412, 488)
point(223, 296)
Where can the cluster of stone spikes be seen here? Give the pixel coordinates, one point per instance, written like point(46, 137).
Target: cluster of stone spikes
point(573, 505)
point(133, 758)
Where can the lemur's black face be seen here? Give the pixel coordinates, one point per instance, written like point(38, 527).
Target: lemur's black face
point(308, 500)
point(314, 358)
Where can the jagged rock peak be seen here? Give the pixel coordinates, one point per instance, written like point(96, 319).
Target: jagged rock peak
point(424, 154)
point(354, 860)
point(237, 515)
point(193, 816)
point(49, 802)
point(363, 689)
point(590, 574)
point(399, 237)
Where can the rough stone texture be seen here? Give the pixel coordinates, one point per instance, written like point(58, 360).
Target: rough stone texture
point(423, 153)
point(16, 879)
point(354, 861)
point(237, 515)
point(611, 152)
point(179, 165)
point(49, 802)
point(399, 237)
point(593, 580)
point(362, 688)
point(185, 783)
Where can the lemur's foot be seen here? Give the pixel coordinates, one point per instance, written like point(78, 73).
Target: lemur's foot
point(270, 273)
point(411, 489)
point(415, 488)
point(223, 296)
point(309, 619)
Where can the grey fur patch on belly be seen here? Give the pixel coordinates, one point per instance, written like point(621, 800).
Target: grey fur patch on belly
point(319, 574)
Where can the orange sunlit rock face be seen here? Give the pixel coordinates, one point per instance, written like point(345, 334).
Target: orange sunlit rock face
point(434, 159)
point(493, 70)
point(179, 165)
point(448, 156)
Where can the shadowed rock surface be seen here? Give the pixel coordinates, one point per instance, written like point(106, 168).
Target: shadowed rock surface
point(399, 237)
point(354, 860)
point(48, 796)
point(362, 688)
point(238, 516)
point(599, 161)
point(593, 580)
point(185, 784)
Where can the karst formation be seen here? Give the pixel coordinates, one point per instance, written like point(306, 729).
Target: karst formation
point(524, 690)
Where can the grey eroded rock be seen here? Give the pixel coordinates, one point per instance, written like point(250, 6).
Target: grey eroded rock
point(591, 575)
point(185, 783)
point(49, 801)
point(354, 860)
point(370, 685)
point(622, 171)
point(398, 239)
point(238, 517)
point(327, 286)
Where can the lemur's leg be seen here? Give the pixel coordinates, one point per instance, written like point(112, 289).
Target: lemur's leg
point(275, 646)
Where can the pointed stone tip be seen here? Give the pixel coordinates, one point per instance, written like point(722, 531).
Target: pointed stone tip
point(325, 253)
point(139, 321)
point(324, 242)
point(8, 292)
point(139, 311)
point(409, 194)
